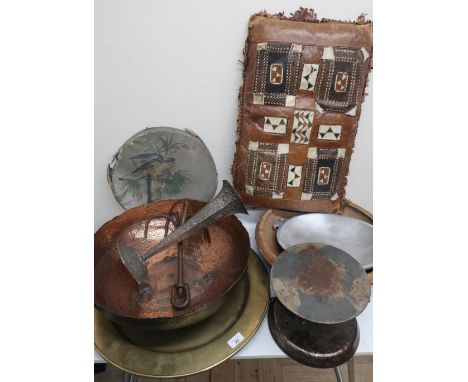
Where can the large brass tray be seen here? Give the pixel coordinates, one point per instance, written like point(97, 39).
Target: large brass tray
point(195, 348)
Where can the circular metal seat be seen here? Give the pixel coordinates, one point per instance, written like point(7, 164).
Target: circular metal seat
point(313, 344)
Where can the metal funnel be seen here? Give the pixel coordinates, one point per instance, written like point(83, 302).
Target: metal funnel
point(226, 203)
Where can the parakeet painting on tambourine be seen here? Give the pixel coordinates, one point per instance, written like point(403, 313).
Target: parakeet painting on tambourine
point(162, 163)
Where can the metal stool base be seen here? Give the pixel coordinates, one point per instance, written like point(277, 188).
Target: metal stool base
point(127, 377)
point(339, 376)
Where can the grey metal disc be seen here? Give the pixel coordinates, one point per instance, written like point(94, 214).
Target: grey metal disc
point(350, 235)
point(177, 162)
point(320, 283)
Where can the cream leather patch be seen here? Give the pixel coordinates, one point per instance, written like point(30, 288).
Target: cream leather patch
point(253, 146)
point(294, 176)
point(364, 53)
point(290, 101)
point(306, 196)
point(275, 125)
point(309, 76)
point(296, 48)
point(352, 112)
point(258, 99)
point(302, 126)
point(283, 148)
point(312, 153)
point(329, 132)
point(328, 53)
point(276, 195)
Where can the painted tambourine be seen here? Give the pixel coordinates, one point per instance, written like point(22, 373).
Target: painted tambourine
point(162, 163)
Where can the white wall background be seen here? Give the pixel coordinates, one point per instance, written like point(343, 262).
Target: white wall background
point(176, 63)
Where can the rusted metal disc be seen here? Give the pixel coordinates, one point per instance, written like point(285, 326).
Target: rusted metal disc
point(309, 343)
point(320, 283)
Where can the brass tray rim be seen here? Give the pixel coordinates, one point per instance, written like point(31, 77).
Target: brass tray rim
point(256, 268)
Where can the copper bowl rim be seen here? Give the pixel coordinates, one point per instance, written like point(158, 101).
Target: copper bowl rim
point(187, 311)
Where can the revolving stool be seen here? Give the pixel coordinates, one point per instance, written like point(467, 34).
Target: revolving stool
point(312, 344)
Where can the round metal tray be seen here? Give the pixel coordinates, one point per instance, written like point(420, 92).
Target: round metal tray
point(170, 163)
point(350, 235)
point(195, 348)
point(265, 234)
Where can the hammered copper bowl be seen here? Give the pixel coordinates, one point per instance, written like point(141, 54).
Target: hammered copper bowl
point(213, 265)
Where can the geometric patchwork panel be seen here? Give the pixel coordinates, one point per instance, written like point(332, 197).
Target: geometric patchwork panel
point(309, 76)
point(323, 170)
point(294, 176)
point(277, 74)
point(275, 125)
point(329, 132)
point(339, 85)
point(267, 168)
point(302, 126)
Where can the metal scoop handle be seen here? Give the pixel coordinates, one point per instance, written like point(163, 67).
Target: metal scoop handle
point(180, 296)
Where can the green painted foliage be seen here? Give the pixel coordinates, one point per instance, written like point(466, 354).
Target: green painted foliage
point(163, 144)
point(133, 186)
point(173, 184)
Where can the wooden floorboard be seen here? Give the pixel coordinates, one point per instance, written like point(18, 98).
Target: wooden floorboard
point(224, 372)
point(258, 370)
point(246, 370)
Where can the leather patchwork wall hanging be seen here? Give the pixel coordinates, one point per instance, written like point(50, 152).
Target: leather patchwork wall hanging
point(299, 107)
